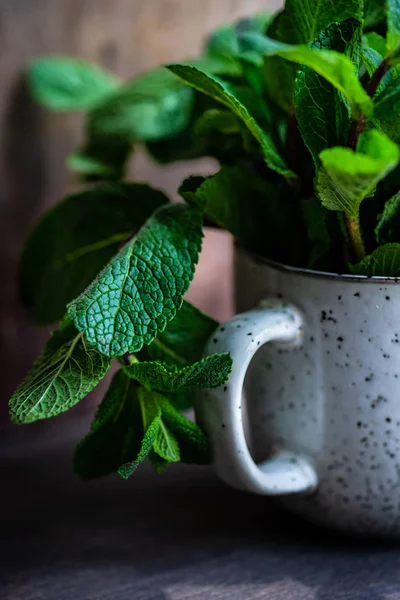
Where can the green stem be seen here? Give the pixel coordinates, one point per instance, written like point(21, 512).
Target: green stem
point(355, 237)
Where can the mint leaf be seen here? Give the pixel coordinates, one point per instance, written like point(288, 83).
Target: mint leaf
point(75, 239)
point(222, 45)
point(194, 445)
point(387, 99)
point(302, 20)
point(223, 42)
point(299, 23)
point(388, 227)
point(322, 115)
point(348, 177)
point(383, 262)
point(221, 50)
point(336, 68)
point(122, 433)
point(387, 103)
point(226, 94)
point(257, 212)
point(102, 157)
point(390, 127)
point(63, 83)
point(222, 135)
point(209, 372)
point(166, 445)
point(376, 42)
point(67, 370)
point(226, 66)
point(152, 423)
point(184, 338)
point(393, 21)
point(141, 289)
point(214, 121)
point(374, 13)
point(371, 60)
point(315, 216)
point(185, 145)
point(159, 464)
point(146, 447)
point(153, 106)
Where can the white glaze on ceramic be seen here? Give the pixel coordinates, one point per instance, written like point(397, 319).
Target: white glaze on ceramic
point(323, 402)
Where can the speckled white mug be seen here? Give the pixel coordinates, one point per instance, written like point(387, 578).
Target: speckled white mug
point(323, 397)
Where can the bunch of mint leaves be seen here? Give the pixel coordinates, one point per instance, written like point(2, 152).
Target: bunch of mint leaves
point(302, 111)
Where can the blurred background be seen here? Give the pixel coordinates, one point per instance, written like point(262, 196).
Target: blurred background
point(125, 36)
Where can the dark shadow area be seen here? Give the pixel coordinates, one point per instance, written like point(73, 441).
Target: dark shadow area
point(23, 181)
point(155, 536)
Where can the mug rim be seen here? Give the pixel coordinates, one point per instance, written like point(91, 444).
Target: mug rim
point(316, 274)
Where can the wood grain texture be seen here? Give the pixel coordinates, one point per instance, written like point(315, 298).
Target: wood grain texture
point(126, 36)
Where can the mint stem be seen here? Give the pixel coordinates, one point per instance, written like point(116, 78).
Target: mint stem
point(356, 130)
point(292, 143)
point(376, 78)
point(353, 224)
point(355, 237)
point(358, 125)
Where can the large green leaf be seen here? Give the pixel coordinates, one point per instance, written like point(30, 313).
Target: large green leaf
point(123, 431)
point(336, 68)
point(232, 98)
point(348, 177)
point(257, 212)
point(388, 227)
point(322, 115)
point(184, 338)
point(67, 370)
point(65, 83)
point(300, 23)
point(383, 262)
point(153, 106)
point(141, 289)
point(76, 238)
point(209, 372)
point(302, 20)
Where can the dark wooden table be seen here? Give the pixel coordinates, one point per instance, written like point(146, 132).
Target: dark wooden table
point(181, 535)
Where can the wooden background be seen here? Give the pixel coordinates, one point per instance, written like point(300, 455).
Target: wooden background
point(126, 36)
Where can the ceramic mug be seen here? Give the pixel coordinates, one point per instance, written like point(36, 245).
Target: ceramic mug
point(318, 357)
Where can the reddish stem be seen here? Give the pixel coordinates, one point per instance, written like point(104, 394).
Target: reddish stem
point(353, 225)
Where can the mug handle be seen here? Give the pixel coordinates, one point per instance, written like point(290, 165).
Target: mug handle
point(219, 410)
